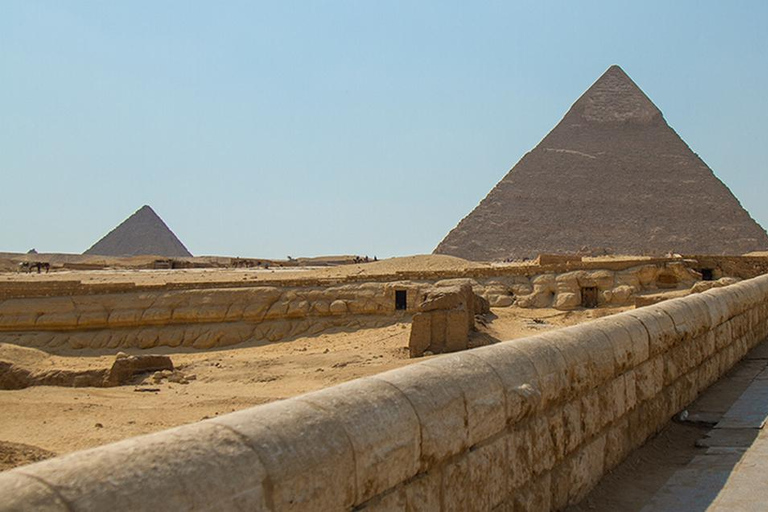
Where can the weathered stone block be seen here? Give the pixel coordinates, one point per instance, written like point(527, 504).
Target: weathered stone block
point(17, 320)
point(21, 492)
point(723, 336)
point(630, 390)
point(706, 346)
point(195, 466)
point(56, 320)
point(613, 398)
point(317, 473)
point(392, 501)
point(542, 444)
point(421, 334)
point(456, 330)
point(550, 367)
point(587, 467)
point(631, 347)
point(439, 325)
point(573, 346)
point(423, 492)
point(593, 416)
point(572, 426)
point(555, 422)
point(649, 377)
point(93, 319)
point(602, 360)
point(535, 497)
point(718, 308)
point(565, 301)
point(483, 391)
point(660, 327)
point(560, 482)
point(518, 376)
point(123, 318)
point(617, 443)
point(488, 465)
point(382, 427)
point(439, 403)
point(520, 455)
point(457, 494)
point(156, 315)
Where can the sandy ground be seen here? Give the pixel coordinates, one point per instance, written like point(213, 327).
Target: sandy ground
point(388, 267)
point(61, 420)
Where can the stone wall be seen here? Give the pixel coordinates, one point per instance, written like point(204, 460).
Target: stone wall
point(198, 318)
point(530, 424)
point(563, 290)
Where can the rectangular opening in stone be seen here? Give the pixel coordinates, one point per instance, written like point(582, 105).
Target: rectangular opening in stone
point(707, 274)
point(589, 296)
point(401, 299)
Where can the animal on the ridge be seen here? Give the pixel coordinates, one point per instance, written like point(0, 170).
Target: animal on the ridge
point(39, 265)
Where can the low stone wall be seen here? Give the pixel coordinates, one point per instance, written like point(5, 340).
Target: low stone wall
point(564, 290)
point(121, 315)
point(198, 318)
point(530, 424)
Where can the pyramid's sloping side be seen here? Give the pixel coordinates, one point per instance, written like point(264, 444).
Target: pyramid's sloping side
point(143, 233)
point(611, 175)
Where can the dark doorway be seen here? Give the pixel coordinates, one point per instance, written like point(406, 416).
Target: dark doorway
point(589, 296)
point(707, 274)
point(401, 299)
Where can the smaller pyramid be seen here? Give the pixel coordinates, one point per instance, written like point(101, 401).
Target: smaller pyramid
point(143, 233)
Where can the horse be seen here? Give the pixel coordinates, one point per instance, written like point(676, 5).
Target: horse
point(39, 265)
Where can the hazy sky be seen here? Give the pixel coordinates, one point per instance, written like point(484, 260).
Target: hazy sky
point(326, 127)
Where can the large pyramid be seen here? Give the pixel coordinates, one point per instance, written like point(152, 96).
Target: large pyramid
point(612, 175)
point(144, 232)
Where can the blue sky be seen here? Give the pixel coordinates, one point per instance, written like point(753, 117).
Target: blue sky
point(326, 127)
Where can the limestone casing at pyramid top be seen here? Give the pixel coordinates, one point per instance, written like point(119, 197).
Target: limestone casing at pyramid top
point(615, 97)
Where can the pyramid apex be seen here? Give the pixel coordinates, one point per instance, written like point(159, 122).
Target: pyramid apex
point(615, 97)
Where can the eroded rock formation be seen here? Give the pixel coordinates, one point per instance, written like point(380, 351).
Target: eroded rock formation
point(122, 371)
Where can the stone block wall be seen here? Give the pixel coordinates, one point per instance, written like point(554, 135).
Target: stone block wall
point(198, 318)
point(445, 318)
point(563, 291)
point(531, 424)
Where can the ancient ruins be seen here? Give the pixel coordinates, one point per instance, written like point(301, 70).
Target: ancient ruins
point(594, 295)
point(612, 177)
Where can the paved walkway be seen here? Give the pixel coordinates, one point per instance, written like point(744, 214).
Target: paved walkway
point(732, 475)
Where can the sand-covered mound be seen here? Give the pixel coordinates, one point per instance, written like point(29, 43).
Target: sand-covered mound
point(19, 454)
point(417, 263)
point(7, 265)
